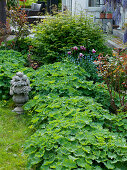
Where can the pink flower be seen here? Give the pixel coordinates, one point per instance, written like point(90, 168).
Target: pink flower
point(93, 51)
point(83, 48)
point(80, 55)
point(69, 52)
point(75, 48)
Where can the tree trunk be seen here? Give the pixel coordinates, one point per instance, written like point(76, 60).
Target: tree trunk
point(3, 13)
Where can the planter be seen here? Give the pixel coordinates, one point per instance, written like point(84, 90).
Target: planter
point(115, 26)
point(102, 15)
point(109, 15)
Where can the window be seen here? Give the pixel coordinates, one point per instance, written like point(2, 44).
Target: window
point(94, 3)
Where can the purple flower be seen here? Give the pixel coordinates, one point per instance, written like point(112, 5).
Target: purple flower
point(69, 52)
point(93, 51)
point(75, 48)
point(83, 48)
point(80, 55)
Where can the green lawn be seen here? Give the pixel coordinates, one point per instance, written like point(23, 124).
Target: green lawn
point(13, 133)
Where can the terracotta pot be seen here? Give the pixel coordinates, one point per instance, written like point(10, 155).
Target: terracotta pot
point(109, 15)
point(102, 15)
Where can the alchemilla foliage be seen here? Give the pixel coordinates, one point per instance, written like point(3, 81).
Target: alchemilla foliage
point(66, 79)
point(73, 123)
point(72, 130)
point(10, 62)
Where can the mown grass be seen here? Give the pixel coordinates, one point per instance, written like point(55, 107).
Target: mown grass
point(13, 133)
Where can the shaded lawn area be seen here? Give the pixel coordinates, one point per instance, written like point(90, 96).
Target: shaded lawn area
point(13, 133)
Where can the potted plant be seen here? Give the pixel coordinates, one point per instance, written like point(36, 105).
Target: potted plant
point(102, 14)
point(109, 15)
point(109, 12)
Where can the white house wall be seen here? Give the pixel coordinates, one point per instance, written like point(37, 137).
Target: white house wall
point(123, 17)
point(126, 16)
point(78, 6)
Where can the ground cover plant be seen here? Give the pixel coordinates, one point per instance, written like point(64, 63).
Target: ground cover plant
point(72, 130)
point(71, 133)
point(68, 79)
point(64, 104)
point(10, 63)
point(13, 133)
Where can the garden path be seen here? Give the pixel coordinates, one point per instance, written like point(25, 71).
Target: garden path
point(115, 40)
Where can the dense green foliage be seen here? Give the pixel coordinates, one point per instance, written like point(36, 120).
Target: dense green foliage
point(61, 79)
point(21, 45)
point(10, 62)
point(54, 36)
point(72, 131)
point(27, 3)
point(12, 3)
point(73, 123)
point(66, 79)
point(86, 61)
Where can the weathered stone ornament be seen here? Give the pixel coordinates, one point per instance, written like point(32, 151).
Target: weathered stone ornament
point(20, 88)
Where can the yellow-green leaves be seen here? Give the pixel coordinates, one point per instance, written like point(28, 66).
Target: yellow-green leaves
point(72, 130)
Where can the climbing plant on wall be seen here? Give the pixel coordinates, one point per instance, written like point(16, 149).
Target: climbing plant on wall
point(114, 6)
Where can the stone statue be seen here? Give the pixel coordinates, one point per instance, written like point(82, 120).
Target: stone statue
point(20, 88)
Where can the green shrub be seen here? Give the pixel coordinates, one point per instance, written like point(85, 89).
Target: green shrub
point(12, 3)
point(27, 3)
point(60, 32)
point(10, 63)
point(65, 80)
point(73, 133)
point(22, 45)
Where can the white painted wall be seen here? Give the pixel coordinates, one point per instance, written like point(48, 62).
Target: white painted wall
point(126, 16)
point(79, 6)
